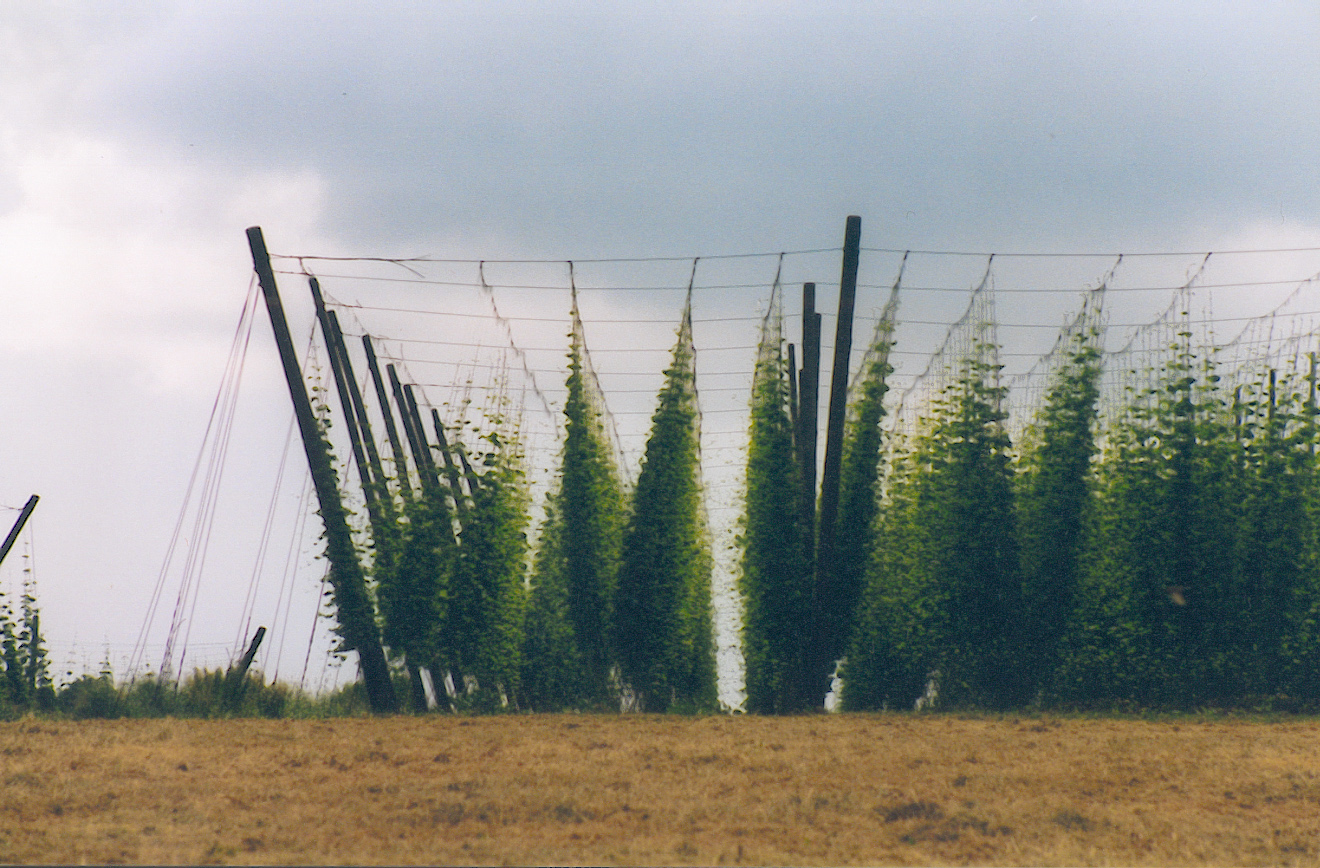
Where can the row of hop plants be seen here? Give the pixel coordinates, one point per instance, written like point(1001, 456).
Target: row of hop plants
point(1168, 559)
point(620, 602)
point(613, 606)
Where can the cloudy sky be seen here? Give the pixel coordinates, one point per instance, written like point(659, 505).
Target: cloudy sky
point(139, 140)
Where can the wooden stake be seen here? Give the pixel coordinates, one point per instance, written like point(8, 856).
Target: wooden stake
point(236, 678)
point(451, 472)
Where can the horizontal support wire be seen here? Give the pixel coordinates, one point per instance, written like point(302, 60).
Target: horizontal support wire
point(541, 287)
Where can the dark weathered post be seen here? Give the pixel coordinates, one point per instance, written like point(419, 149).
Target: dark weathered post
point(829, 483)
point(416, 439)
point(383, 495)
point(808, 414)
point(23, 516)
point(391, 431)
point(345, 402)
point(357, 622)
point(415, 415)
point(451, 472)
point(236, 679)
point(793, 392)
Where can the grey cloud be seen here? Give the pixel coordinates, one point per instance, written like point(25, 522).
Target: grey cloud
point(981, 120)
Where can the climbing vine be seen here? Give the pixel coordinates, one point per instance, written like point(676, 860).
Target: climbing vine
point(663, 625)
point(775, 580)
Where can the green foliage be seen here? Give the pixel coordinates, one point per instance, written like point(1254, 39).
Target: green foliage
point(944, 595)
point(355, 613)
point(663, 626)
point(775, 580)
point(553, 674)
point(413, 599)
point(1052, 497)
point(1160, 616)
point(207, 693)
point(888, 659)
point(485, 608)
point(568, 658)
point(1277, 545)
point(91, 696)
point(859, 475)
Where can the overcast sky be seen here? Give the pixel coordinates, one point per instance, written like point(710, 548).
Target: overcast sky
point(139, 140)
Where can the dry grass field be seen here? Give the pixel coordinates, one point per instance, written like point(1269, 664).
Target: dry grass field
point(837, 790)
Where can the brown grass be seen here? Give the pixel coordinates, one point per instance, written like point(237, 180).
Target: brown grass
point(841, 789)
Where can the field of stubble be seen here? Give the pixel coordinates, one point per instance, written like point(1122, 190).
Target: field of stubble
point(837, 790)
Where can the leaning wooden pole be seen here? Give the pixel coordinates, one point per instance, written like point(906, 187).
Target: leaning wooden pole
point(23, 516)
point(357, 624)
point(391, 431)
point(346, 402)
point(384, 498)
point(451, 472)
point(826, 568)
point(236, 678)
point(417, 442)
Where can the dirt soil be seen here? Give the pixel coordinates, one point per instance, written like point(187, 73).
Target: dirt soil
point(579, 789)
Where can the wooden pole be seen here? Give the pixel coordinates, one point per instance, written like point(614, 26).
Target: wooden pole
point(391, 431)
point(451, 472)
point(23, 516)
point(825, 590)
point(421, 449)
point(383, 496)
point(808, 433)
point(354, 610)
point(808, 415)
point(793, 392)
point(345, 401)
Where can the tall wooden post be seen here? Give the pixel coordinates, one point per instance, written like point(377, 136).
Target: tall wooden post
point(825, 591)
point(357, 624)
point(809, 415)
point(806, 435)
point(793, 392)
